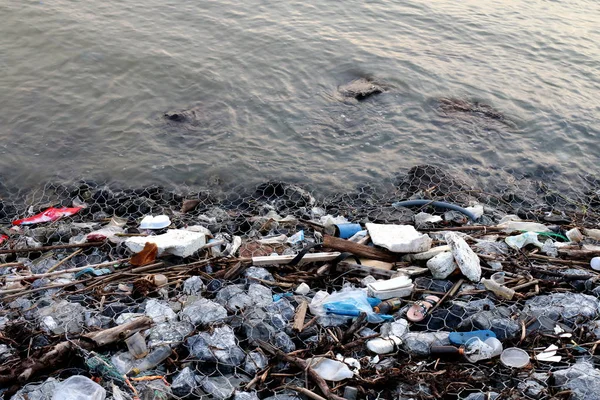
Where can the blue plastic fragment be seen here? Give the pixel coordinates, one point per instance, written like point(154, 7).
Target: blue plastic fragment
point(92, 271)
point(277, 297)
point(460, 338)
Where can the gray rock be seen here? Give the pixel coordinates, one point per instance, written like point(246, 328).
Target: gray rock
point(169, 333)
point(240, 302)
point(258, 273)
point(419, 343)
point(185, 383)
point(483, 396)
point(283, 396)
point(284, 342)
point(159, 311)
point(41, 391)
point(594, 327)
point(568, 307)
point(62, 317)
point(227, 293)
point(255, 362)
point(245, 396)
point(582, 379)
point(193, 286)
point(219, 387)
point(360, 89)
point(531, 388)
point(283, 307)
point(261, 295)
point(259, 330)
point(203, 312)
point(497, 320)
point(220, 346)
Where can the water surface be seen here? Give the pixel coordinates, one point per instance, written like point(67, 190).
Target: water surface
point(84, 86)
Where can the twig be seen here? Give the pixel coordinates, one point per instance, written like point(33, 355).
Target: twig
point(64, 260)
point(305, 392)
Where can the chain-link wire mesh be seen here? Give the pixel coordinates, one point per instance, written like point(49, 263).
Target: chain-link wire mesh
point(215, 320)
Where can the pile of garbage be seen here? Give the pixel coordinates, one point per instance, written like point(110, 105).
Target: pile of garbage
point(123, 295)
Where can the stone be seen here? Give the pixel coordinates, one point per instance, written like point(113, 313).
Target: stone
point(497, 320)
point(178, 242)
point(399, 238)
point(169, 333)
point(62, 317)
point(78, 387)
point(193, 286)
point(467, 260)
point(283, 342)
point(258, 273)
point(203, 312)
point(261, 295)
point(419, 343)
point(360, 89)
point(582, 379)
point(245, 396)
point(442, 265)
point(185, 383)
point(532, 389)
point(160, 312)
point(220, 346)
point(567, 307)
point(39, 391)
point(219, 387)
point(255, 362)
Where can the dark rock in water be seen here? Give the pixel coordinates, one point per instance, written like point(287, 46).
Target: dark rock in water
point(449, 106)
point(360, 89)
point(191, 115)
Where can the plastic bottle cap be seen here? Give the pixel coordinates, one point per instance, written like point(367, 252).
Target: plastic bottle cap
point(595, 263)
point(514, 357)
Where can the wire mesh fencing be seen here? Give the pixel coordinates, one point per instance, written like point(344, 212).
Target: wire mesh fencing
point(218, 317)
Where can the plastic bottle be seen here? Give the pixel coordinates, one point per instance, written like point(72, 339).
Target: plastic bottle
point(499, 290)
point(384, 345)
point(152, 360)
point(388, 306)
point(137, 345)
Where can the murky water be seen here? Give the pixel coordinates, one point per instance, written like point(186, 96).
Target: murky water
point(84, 85)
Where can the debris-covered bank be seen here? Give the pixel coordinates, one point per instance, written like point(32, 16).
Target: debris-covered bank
point(273, 294)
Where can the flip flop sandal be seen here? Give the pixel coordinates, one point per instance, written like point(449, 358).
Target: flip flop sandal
point(419, 310)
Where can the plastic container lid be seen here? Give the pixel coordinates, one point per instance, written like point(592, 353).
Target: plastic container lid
point(595, 263)
point(158, 222)
point(514, 357)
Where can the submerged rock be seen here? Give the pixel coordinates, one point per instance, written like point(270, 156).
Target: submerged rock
point(360, 89)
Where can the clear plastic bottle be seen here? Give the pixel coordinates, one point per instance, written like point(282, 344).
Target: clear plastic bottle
point(137, 345)
point(157, 356)
point(499, 290)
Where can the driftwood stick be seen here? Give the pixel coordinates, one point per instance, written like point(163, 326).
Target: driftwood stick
point(300, 317)
point(357, 249)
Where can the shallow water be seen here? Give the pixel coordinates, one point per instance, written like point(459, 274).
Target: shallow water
point(84, 86)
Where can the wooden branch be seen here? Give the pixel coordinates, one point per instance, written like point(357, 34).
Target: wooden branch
point(357, 249)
